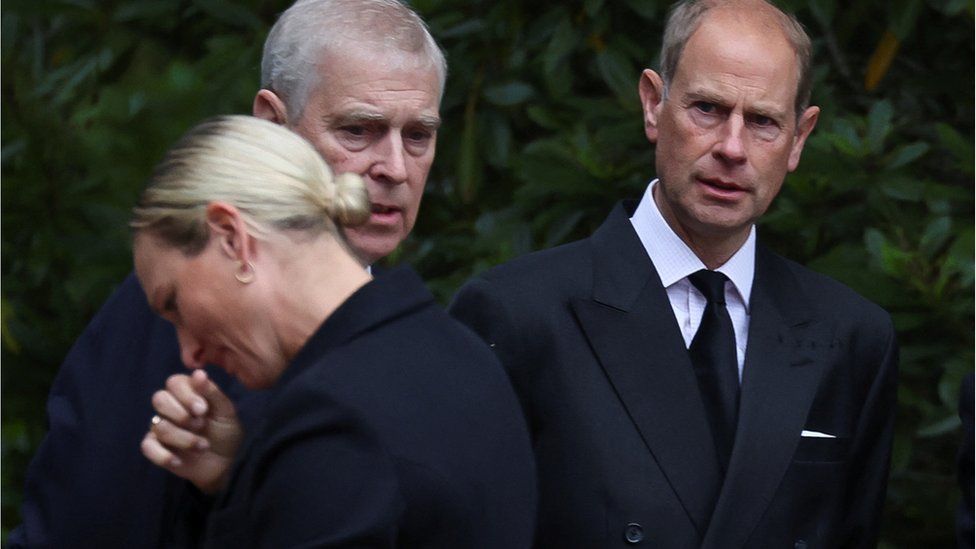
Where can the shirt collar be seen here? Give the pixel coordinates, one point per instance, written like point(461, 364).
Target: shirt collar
point(674, 260)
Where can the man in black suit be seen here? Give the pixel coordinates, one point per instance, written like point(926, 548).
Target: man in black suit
point(684, 385)
point(88, 484)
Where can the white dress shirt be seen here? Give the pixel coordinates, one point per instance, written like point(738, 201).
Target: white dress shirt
point(674, 261)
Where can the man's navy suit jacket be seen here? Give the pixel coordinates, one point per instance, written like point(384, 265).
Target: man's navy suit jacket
point(622, 443)
point(88, 484)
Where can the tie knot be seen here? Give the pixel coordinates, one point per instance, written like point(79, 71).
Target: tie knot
point(711, 284)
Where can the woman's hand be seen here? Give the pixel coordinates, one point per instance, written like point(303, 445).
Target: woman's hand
point(195, 433)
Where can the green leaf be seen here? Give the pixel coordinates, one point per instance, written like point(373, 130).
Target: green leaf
point(936, 234)
point(592, 7)
point(647, 10)
point(903, 17)
point(543, 116)
point(879, 126)
point(465, 28)
point(563, 41)
point(907, 154)
point(889, 258)
point(875, 242)
point(958, 146)
point(955, 7)
point(904, 188)
point(940, 427)
point(230, 12)
point(146, 10)
point(619, 74)
point(509, 94)
point(498, 138)
point(844, 137)
point(959, 260)
point(469, 164)
point(950, 383)
point(823, 11)
point(6, 317)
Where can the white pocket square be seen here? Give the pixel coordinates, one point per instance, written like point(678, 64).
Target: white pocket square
point(815, 434)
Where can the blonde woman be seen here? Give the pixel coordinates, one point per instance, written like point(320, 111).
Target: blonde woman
point(388, 423)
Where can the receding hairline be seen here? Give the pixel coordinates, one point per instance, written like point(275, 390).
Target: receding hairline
point(767, 20)
point(310, 28)
point(375, 54)
point(328, 72)
point(687, 17)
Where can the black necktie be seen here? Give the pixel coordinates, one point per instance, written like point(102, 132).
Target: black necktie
point(713, 356)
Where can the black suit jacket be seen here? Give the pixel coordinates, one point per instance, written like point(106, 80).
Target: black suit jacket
point(622, 443)
point(393, 426)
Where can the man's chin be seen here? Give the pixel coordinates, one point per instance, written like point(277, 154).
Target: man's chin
point(371, 246)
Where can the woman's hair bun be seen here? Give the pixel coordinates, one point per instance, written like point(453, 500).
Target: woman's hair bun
point(351, 204)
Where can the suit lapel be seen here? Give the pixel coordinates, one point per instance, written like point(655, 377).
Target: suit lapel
point(780, 379)
point(632, 330)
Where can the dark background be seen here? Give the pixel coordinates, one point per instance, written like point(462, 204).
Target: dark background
point(542, 135)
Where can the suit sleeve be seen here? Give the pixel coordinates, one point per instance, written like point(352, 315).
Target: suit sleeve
point(479, 306)
point(871, 450)
point(88, 485)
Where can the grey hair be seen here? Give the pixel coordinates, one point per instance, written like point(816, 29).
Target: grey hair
point(310, 28)
point(272, 175)
point(687, 15)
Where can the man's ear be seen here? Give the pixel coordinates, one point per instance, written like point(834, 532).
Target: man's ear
point(651, 89)
point(269, 106)
point(227, 225)
point(804, 125)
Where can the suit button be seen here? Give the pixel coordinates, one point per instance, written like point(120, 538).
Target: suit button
point(634, 533)
point(800, 544)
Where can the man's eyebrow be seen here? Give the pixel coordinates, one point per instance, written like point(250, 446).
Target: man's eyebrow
point(358, 116)
point(769, 112)
point(430, 122)
point(702, 94)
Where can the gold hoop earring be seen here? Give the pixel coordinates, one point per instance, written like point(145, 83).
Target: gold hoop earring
point(245, 273)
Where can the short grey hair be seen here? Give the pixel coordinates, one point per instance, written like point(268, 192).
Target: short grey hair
point(687, 15)
point(272, 175)
point(310, 28)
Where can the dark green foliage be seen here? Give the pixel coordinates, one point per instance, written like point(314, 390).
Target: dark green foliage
point(542, 134)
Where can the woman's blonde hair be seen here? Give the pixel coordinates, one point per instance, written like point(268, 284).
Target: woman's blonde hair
point(273, 176)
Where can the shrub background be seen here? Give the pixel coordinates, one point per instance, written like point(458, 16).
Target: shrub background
point(542, 135)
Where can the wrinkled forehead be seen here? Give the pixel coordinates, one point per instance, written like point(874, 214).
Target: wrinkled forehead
point(747, 21)
point(369, 68)
point(376, 57)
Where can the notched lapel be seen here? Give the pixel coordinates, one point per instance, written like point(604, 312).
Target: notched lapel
point(644, 358)
point(783, 368)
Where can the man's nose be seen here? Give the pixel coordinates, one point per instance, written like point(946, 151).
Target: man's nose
point(191, 352)
point(391, 165)
point(731, 146)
